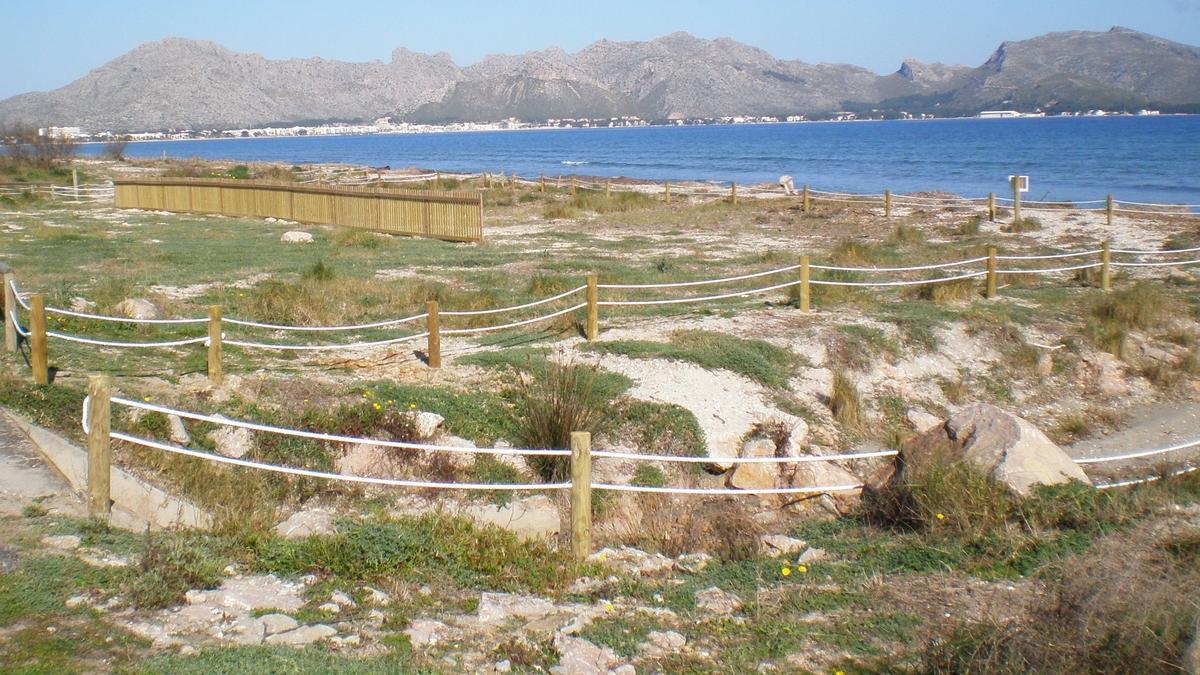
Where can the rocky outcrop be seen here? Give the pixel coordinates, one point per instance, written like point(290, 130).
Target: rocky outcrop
point(137, 308)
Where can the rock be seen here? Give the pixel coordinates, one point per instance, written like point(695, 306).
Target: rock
point(921, 420)
point(778, 544)
point(342, 599)
point(716, 601)
point(187, 650)
point(258, 592)
point(427, 424)
point(76, 601)
point(367, 459)
point(179, 433)
point(663, 642)
point(232, 441)
point(632, 561)
point(195, 597)
point(296, 237)
point(137, 308)
point(500, 607)
point(426, 632)
point(330, 608)
point(758, 474)
point(1045, 365)
point(100, 558)
point(79, 304)
point(533, 518)
point(504, 666)
point(315, 522)
point(304, 635)
point(352, 641)
point(624, 669)
point(812, 554)
point(277, 623)
point(692, 563)
point(1104, 372)
point(376, 618)
point(64, 542)
point(826, 474)
point(376, 597)
point(577, 656)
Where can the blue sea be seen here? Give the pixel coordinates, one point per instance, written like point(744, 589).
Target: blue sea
point(1148, 159)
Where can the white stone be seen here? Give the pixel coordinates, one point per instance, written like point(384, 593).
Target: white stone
point(296, 237)
point(342, 599)
point(500, 607)
point(330, 608)
point(315, 522)
point(179, 434)
point(376, 597)
point(692, 563)
point(79, 304)
point(812, 554)
point(76, 601)
point(427, 424)
point(632, 561)
point(921, 420)
point(580, 657)
point(278, 623)
point(137, 308)
point(748, 476)
point(504, 666)
point(304, 635)
point(65, 542)
point(713, 600)
point(663, 642)
point(426, 632)
point(533, 518)
point(195, 597)
point(1010, 449)
point(232, 441)
point(778, 544)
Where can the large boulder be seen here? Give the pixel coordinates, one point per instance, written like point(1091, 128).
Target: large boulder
point(1007, 448)
point(137, 308)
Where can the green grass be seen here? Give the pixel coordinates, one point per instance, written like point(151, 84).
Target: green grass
point(758, 360)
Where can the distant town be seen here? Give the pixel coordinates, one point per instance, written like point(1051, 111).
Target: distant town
point(385, 125)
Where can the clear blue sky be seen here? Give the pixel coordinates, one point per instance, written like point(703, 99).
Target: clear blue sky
point(47, 45)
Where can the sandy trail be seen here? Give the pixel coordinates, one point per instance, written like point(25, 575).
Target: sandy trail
point(1153, 426)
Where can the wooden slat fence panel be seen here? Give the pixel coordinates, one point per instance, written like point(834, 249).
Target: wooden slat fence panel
point(455, 216)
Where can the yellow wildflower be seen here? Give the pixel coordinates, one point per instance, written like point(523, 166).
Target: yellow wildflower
point(802, 569)
point(940, 516)
point(376, 406)
point(785, 571)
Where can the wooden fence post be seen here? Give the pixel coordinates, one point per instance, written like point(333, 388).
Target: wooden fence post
point(39, 360)
point(99, 464)
point(581, 495)
point(733, 192)
point(804, 200)
point(992, 207)
point(667, 192)
point(433, 349)
point(215, 369)
point(593, 307)
point(542, 183)
point(887, 203)
point(1016, 188)
point(572, 186)
point(607, 188)
point(991, 273)
point(10, 308)
point(1105, 267)
point(487, 180)
point(1108, 210)
point(805, 287)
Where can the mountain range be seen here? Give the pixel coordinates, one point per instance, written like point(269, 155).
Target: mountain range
point(179, 83)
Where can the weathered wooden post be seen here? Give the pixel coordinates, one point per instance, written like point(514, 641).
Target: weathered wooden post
point(1108, 210)
point(1105, 267)
point(75, 181)
point(887, 203)
point(39, 361)
point(487, 180)
point(433, 348)
point(99, 462)
point(581, 495)
point(667, 192)
point(804, 200)
point(1016, 188)
point(542, 183)
point(805, 287)
point(593, 307)
point(608, 188)
point(215, 370)
point(573, 186)
point(992, 207)
point(10, 307)
point(991, 273)
point(733, 193)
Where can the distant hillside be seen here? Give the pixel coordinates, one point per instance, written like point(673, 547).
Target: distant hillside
point(178, 83)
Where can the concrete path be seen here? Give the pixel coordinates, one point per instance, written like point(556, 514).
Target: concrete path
point(25, 478)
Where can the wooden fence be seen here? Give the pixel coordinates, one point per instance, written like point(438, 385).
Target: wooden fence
point(453, 216)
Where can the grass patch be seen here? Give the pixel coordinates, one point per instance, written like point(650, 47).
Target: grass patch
point(756, 359)
point(657, 428)
point(1020, 225)
point(845, 402)
point(1113, 315)
point(552, 406)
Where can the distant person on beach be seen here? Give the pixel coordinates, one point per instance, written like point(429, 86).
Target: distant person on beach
point(785, 182)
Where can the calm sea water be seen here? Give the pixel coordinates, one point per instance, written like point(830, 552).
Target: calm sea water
point(1152, 159)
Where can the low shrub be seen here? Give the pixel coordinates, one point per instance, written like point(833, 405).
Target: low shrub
point(1113, 315)
point(549, 407)
point(1025, 224)
point(845, 402)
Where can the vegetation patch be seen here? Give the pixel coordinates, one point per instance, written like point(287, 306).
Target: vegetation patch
point(758, 360)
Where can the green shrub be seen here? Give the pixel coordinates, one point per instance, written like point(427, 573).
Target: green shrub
point(1113, 315)
point(648, 475)
point(168, 567)
point(239, 171)
point(549, 407)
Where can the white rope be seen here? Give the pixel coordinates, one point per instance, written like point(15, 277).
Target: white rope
point(705, 282)
point(726, 491)
point(1126, 201)
point(121, 319)
point(514, 324)
point(12, 313)
point(917, 282)
point(1052, 269)
point(1166, 252)
point(1135, 455)
point(361, 326)
point(535, 303)
point(1171, 263)
point(17, 292)
point(1053, 256)
point(131, 345)
point(1139, 481)
point(1158, 213)
point(393, 482)
point(676, 301)
point(742, 460)
point(915, 268)
point(352, 345)
point(284, 431)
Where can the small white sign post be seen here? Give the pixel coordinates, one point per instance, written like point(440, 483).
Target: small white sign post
point(1019, 184)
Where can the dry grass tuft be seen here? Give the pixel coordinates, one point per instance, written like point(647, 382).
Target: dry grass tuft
point(845, 402)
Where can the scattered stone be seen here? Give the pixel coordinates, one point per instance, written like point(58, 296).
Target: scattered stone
point(624, 669)
point(232, 441)
point(304, 635)
point(76, 601)
point(755, 475)
point(504, 666)
point(250, 593)
point(812, 554)
point(921, 420)
point(427, 424)
point(187, 650)
point(692, 563)
point(64, 542)
point(533, 518)
point(79, 304)
point(585, 585)
point(179, 433)
point(425, 591)
point(778, 544)
point(98, 558)
point(278, 623)
point(195, 597)
point(580, 657)
point(376, 618)
point(230, 570)
point(296, 237)
point(1045, 365)
point(500, 607)
point(632, 561)
point(376, 597)
point(137, 308)
point(663, 642)
point(352, 641)
point(426, 632)
point(330, 608)
point(1105, 372)
point(716, 601)
point(315, 522)
point(342, 599)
